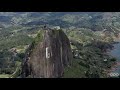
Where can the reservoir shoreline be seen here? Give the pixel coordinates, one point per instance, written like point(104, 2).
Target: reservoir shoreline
point(115, 53)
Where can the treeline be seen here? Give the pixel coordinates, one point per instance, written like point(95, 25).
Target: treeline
point(8, 62)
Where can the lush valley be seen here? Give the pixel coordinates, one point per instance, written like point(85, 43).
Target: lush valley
point(91, 34)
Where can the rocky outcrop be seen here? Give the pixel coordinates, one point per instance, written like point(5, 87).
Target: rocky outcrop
point(49, 57)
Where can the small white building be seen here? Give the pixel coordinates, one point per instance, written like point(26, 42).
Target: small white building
point(105, 60)
point(56, 27)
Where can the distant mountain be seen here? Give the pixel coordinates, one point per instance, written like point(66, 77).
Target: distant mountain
point(92, 20)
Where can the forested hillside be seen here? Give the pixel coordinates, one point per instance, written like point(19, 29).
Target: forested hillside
point(90, 34)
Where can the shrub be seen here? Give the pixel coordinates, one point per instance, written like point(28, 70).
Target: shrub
point(113, 59)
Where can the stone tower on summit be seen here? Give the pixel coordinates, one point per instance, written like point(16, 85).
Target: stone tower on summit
point(49, 56)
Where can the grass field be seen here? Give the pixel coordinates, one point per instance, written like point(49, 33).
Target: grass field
point(4, 75)
point(75, 71)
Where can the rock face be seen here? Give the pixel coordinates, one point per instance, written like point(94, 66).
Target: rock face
point(49, 56)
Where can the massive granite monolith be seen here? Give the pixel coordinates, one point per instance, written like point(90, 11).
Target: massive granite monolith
point(49, 57)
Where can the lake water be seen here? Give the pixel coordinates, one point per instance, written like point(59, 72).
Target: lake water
point(116, 53)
